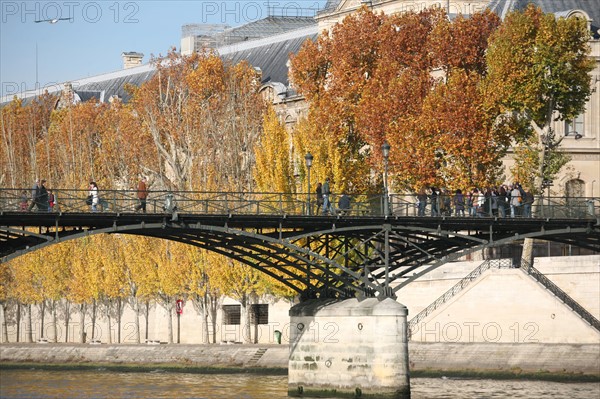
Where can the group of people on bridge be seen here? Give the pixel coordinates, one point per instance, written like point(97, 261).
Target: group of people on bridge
point(505, 200)
point(41, 198)
point(44, 199)
point(324, 204)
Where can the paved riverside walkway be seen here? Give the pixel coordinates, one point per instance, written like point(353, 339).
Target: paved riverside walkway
point(472, 358)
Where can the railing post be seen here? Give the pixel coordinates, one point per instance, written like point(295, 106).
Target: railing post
point(281, 203)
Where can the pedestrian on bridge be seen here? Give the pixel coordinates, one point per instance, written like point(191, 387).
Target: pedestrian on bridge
point(344, 204)
point(51, 201)
point(434, 199)
point(94, 194)
point(142, 194)
point(24, 205)
point(459, 203)
point(528, 199)
point(35, 192)
point(327, 207)
point(421, 202)
point(42, 199)
point(502, 201)
point(515, 201)
point(319, 193)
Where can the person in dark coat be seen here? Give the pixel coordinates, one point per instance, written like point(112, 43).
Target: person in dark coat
point(42, 199)
point(344, 204)
point(319, 193)
point(35, 192)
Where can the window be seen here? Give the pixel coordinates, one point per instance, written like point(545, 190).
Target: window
point(232, 314)
point(259, 314)
point(575, 127)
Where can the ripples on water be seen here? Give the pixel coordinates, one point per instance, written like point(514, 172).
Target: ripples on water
point(24, 384)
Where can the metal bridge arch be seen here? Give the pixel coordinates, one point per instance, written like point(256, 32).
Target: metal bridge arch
point(324, 256)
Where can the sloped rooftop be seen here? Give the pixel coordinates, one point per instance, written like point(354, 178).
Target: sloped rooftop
point(270, 52)
point(266, 27)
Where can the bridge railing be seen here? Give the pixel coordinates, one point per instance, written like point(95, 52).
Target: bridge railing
point(560, 294)
point(405, 205)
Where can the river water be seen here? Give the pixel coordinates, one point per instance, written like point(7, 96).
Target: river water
point(105, 384)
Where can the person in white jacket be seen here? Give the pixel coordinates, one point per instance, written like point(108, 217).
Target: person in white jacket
point(94, 194)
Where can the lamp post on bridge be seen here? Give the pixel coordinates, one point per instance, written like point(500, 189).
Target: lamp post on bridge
point(308, 158)
point(385, 149)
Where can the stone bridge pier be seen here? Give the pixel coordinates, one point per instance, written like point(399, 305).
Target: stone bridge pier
point(349, 348)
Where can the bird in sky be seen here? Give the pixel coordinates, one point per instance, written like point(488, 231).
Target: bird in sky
point(53, 20)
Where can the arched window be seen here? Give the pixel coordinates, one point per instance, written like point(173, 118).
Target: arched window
point(575, 188)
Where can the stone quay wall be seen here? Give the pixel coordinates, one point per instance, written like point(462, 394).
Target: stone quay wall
point(580, 359)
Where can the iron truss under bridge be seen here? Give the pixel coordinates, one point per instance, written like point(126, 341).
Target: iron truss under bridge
point(357, 252)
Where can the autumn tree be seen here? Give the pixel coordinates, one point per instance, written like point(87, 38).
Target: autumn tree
point(539, 69)
point(172, 270)
point(140, 275)
point(74, 141)
point(243, 283)
point(204, 290)
point(56, 273)
point(377, 77)
point(200, 110)
point(113, 282)
point(6, 280)
point(23, 127)
point(273, 170)
point(124, 157)
point(84, 284)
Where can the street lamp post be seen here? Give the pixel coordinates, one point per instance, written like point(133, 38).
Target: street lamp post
point(308, 158)
point(385, 149)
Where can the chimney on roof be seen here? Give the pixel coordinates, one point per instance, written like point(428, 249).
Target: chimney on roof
point(131, 59)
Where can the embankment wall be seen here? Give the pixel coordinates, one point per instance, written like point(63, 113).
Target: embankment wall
point(490, 357)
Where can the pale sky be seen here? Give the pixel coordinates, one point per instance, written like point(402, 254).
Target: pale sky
point(91, 42)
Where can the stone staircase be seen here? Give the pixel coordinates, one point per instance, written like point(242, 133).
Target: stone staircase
point(560, 294)
point(256, 357)
point(458, 287)
point(527, 268)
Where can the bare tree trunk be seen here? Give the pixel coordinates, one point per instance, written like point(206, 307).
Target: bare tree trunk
point(3, 307)
point(205, 310)
point(29, 323)
point(213, 308)
point(42, 317)
point(67, 318)
point(136, 306)
point(246, 332)
point(108, 322)
point(170, 319)
point(93, 319)
point(147, 316)
point(254, 301)
point(82, 335)
point(54, 321)
point(119, 317)
point(19, 322)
